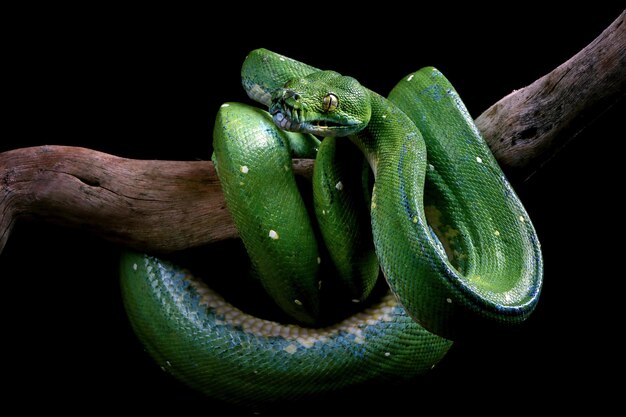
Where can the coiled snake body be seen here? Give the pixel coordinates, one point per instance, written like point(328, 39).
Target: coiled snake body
point(453, 240)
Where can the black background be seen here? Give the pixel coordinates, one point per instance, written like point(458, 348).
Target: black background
point(148, 87)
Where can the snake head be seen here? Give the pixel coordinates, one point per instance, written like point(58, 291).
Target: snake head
point(324, 103)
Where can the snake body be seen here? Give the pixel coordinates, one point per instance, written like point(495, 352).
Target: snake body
point(467, 258)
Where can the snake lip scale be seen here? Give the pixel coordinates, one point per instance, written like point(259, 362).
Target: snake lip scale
point(314, 127)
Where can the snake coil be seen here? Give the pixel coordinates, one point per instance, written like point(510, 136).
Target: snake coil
point(454, 242)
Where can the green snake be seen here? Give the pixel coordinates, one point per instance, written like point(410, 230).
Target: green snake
point(454, 243)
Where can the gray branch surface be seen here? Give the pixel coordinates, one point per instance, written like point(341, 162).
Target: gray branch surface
point(529, 126)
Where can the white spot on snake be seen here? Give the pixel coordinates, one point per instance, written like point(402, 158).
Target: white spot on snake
point(168, 363)
point(410, 77)
point(282, 59)
point(431, 167)
point(241, 183)
point(273, 235)
point(291, 349)
point(387, 354)
point(134, 267)
point(384, 116)
point(449, 300)
point(339, 186)
point(244, 169)
point(324, 212)
point(319, 261)
point(479, 160)
point(319, 284)
point(298, 302)
point(521, 219)
point(355, 300)
point(414, 219)
point(497, 233)
point(225, 105)
point(255, 371)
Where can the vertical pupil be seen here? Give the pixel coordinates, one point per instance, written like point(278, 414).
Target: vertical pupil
point(330, 102)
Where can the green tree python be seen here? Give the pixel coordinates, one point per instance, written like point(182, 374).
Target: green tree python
point(455, 245)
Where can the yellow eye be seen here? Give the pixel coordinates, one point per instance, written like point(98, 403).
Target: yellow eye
point(330, 102)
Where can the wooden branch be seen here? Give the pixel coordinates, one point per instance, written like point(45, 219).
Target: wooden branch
point(164, 206)
point(158, 206)
point(124, 200)
point(529, 126)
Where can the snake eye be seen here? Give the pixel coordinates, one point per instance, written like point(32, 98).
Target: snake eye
point(330, 102)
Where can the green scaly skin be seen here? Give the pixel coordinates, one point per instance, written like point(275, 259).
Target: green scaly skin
point(470, 257)
point(250, 155)
point(215, 348)
point(342, 211)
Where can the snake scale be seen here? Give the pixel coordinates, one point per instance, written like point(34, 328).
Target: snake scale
point(455, 245)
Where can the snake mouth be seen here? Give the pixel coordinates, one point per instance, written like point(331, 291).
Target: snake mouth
point(319, 127)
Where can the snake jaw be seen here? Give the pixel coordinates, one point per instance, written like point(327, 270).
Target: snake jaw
point(295, 120)
point(322, 128)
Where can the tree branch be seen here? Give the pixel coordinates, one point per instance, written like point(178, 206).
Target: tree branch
point(529, 126)
point(159, 206)
point(164, 206)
